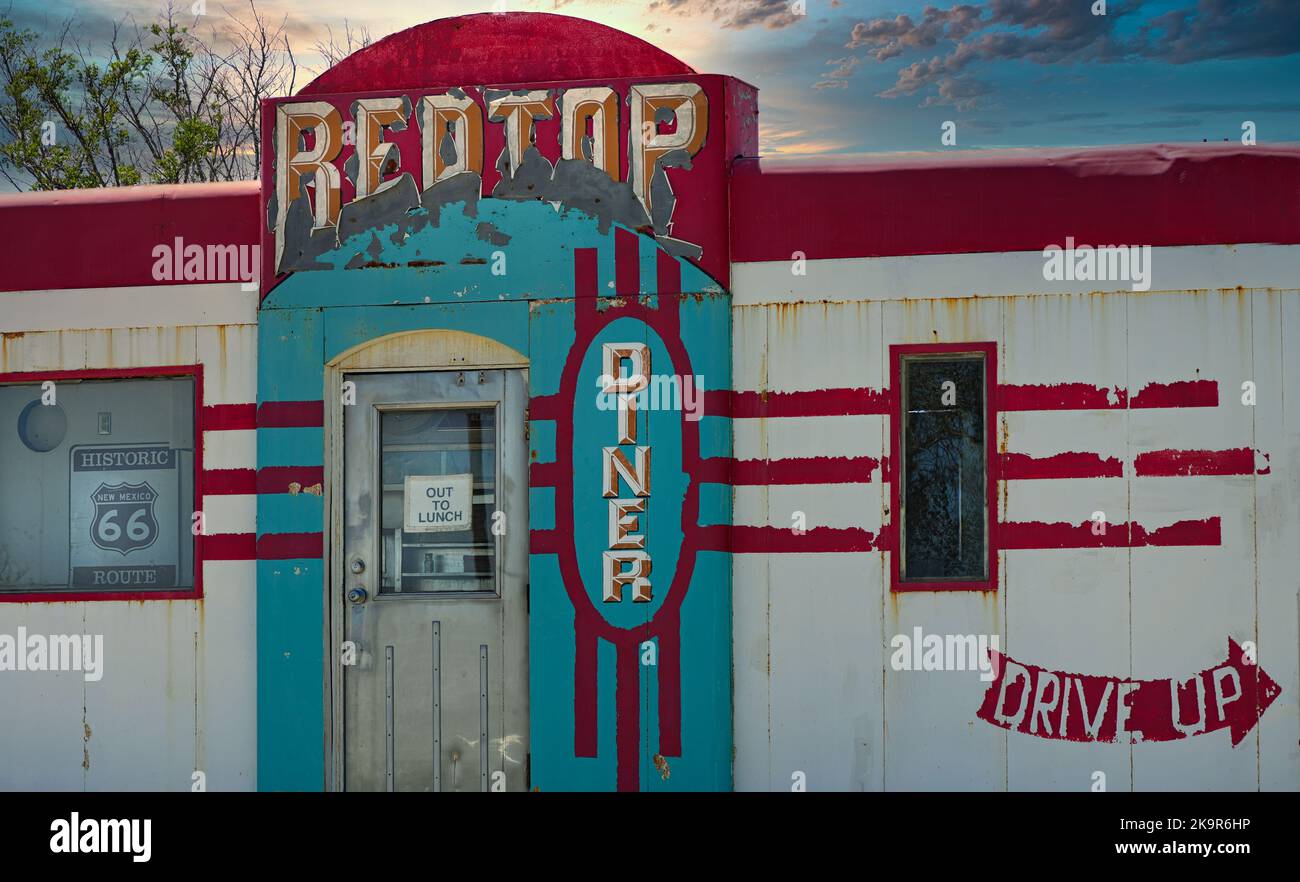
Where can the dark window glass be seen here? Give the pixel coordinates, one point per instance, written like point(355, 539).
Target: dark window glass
point(420, 445)
point(944, 469)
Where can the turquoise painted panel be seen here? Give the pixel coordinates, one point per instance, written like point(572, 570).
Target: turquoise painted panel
point(715, 504)
point(551, 660)
point(541, 441)
point(550, 326)
point(541, 508)
point(312, 317)
point(290, 675)
point(706, 696)
point(290, 447)
point(289, 355)
point(290, 513)
point(505, 251)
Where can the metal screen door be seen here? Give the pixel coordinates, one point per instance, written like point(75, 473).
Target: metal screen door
point(435, 532)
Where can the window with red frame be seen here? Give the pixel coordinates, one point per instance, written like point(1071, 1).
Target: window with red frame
point(943, 475)
point(98, 484)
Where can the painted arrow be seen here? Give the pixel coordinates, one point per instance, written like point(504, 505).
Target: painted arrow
point(1077, 707)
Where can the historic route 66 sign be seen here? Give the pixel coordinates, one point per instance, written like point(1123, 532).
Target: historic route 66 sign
point(124, 519)
point(128, 510)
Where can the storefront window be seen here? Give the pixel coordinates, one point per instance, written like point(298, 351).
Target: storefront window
point(944, 477)
point(98, 485)
point(438, 470)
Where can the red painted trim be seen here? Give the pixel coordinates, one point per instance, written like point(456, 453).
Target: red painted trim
point(285, 546)
point(276, 479)
point(1036, 534)
point(668, 280)
point(820, 402)
point(231, 546)
point(627, 263)
point(1021, 466)
point(271, 479)
point(992, 464)
point(1081, 396)
point(223, 417)
point(670, 690)
point(106, 237)
point(543, 474)
point(290, 414)
point(1184, 393)
point(586, 278)
point(1016, 200)
point(739, 539)
point(1184, 463)
point(627, 716)
point(230, 482)
point(195, 371)
point(496, 49)
point(801, 470)
point(585, 662)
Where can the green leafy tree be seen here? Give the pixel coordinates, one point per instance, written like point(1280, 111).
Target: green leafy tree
point(159, 105)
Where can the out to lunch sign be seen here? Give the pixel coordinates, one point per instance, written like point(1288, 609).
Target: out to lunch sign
point(124, 516)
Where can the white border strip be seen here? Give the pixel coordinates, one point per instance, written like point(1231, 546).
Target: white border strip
point(1004, 274)
point(145, 306)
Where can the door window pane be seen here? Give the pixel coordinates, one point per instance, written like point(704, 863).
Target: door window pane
point(438, 471)
point(97, 481)
point(944, 475)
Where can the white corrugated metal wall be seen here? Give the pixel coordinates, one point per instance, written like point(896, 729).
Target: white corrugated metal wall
point(814, 690)
point(179, 688)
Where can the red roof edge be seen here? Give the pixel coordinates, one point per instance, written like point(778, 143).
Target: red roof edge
point(106, 238)
point(1015, 200)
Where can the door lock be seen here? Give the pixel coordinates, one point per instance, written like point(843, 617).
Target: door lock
point(358, 566)
point(358, 595)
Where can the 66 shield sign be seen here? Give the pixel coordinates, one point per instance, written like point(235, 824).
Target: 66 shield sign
point(124, 517)
point(127, 517)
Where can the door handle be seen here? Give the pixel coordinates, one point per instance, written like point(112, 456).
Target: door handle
point(357, 594)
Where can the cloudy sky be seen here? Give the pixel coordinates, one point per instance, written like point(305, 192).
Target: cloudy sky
point(867, 76)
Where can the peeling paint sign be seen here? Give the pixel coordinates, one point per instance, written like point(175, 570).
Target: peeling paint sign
point(1057, 705)
point(340, 172)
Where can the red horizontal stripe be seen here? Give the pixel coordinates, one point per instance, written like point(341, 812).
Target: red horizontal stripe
point(545, 407)
point(795, 470)
point(1036, 534)
point(1081, 396)
point(276, 479)
point(290, 414)
point(544, 542)
point(1181, 463)
point(229, 482)
point(217, 417)
point(1185, 393)
point(821, 402)
point(777, 540)
point(543, 474)
point(282, 546)
point(1021, 466)
point(230, 546)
